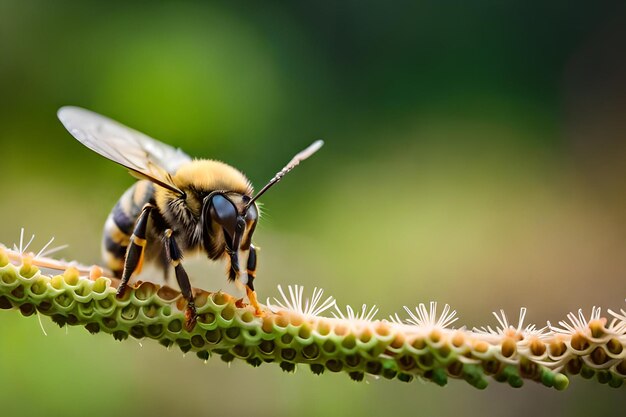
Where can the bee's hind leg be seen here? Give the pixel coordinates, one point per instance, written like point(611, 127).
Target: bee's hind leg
point(174, 256)
point(136, 250)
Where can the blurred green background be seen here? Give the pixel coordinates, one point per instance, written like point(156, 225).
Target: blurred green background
point(475, 155)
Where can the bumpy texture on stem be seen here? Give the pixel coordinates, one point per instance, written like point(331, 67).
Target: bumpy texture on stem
point(292, 331)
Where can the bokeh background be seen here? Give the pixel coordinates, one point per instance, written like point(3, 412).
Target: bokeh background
point(475, 155)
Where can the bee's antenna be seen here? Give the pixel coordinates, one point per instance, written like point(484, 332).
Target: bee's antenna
point(301, 156)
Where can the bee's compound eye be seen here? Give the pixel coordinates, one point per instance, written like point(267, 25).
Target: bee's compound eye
point(224, 213)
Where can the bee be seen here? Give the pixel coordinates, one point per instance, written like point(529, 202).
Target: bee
point(179, 206)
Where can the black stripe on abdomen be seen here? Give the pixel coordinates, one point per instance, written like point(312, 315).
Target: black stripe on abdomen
point(114, 248)
point(121, 219)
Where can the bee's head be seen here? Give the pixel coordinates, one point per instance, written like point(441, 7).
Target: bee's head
point(231, 215)
point(235, 215)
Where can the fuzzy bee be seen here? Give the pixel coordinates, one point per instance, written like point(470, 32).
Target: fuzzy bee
point(179, 205)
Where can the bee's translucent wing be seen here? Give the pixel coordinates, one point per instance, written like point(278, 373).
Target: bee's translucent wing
point(145, 157)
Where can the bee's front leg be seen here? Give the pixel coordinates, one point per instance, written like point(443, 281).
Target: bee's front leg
point(175, 257)
point(251, 267)
point(136, 249)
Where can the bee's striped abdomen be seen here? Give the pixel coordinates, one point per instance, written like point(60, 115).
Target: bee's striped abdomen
point(119, 225)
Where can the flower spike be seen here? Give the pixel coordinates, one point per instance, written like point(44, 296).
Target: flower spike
point(292, 330)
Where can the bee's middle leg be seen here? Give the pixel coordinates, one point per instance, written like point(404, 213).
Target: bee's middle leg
point(174, 255)
point(136, 249)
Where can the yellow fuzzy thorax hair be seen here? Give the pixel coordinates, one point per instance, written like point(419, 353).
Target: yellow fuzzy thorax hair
point(205, 175)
